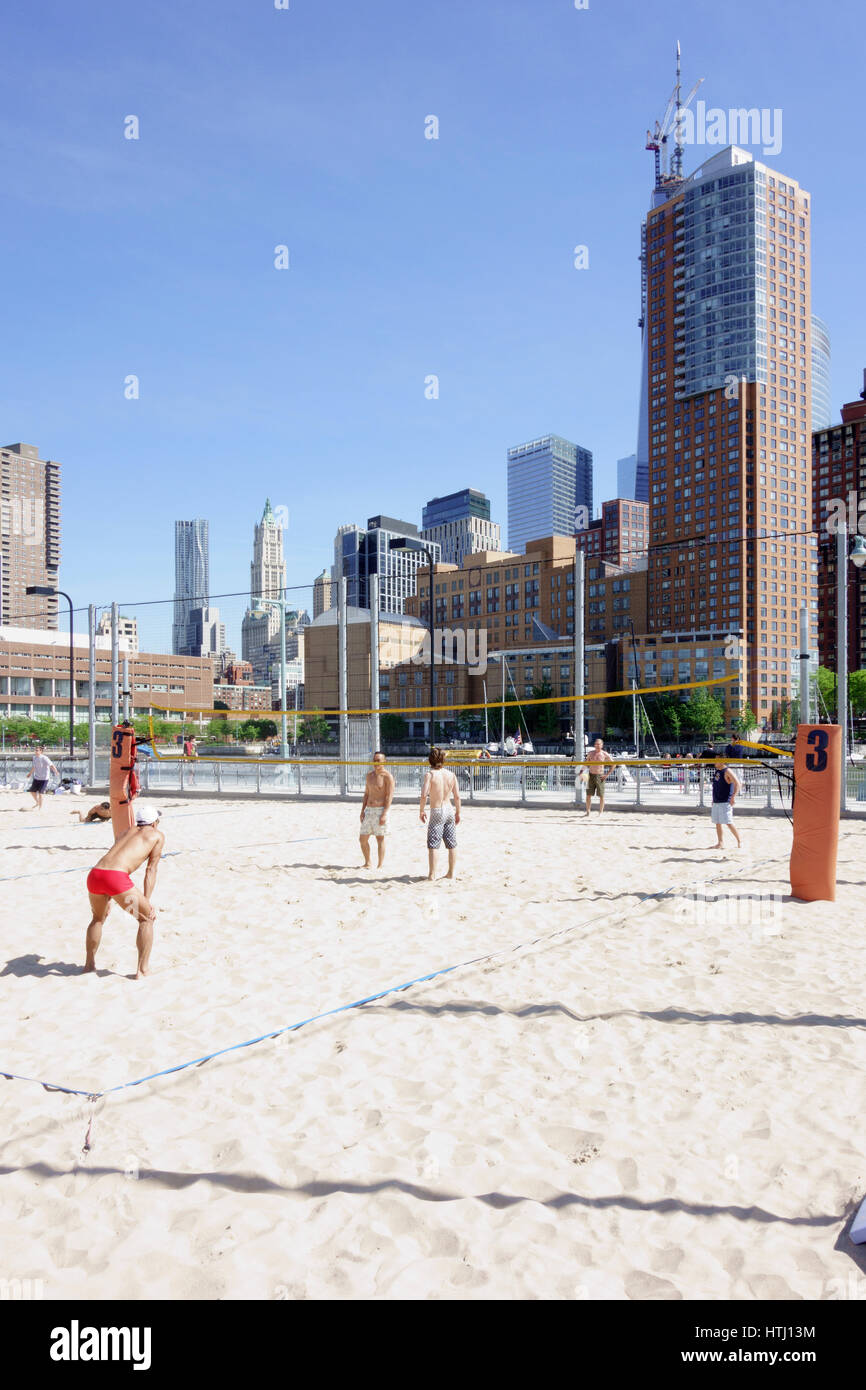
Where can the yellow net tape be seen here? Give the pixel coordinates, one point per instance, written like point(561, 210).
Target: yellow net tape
point(454, 709)
point(435, 709)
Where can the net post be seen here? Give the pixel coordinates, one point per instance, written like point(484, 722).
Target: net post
point(374, 661)
point(91, 697)
point(343, 684)
point(115, 674)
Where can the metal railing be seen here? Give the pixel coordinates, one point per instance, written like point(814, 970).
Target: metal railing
point(510, 781)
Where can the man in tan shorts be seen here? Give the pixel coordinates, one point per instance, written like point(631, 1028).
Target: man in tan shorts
point(378, 795)
point(598, 761)
point(110, 880)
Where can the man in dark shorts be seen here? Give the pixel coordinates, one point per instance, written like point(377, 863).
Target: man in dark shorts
point(40, 773)
point(110, 881)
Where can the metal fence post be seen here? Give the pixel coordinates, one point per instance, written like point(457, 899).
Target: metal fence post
point(523, 783)
point(219, 773)
point(258, 778)
point(637, 786)
point(472, 782)
point(769, 790)
point(181, 775)
point(701, 785)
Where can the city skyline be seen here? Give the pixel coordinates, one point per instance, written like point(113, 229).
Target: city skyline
point(485, 315)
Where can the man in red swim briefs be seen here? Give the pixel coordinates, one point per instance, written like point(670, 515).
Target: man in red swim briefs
point(110, 879)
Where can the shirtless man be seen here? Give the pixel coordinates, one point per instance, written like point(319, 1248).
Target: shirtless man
point(378, 795)
point(439, 786)
point(110, 879)
point(101, 811)
point(598, 761)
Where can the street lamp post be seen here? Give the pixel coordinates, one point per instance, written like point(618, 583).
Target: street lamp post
point(280, 605)
point(46, 592)
point(407, 543)
point(858, 558)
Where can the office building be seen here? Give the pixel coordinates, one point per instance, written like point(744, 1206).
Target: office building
point(260, 628)
point(191, 580)
point(839, 483)
point(632, 478)
point(321, 594)
point(523, 599)
point(29, 536)
point(822, 391)
point(34, 677)
point(620, 535)
point(549, 479)
point(727, 406)
point(127, 630)
point(460, 524)
point(359, 553)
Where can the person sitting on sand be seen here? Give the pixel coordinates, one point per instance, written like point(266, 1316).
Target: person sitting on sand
point(378, 795)
point(110, 880)
point(102, 811)
point(439, 786)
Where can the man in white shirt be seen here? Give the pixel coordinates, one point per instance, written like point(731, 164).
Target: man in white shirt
point(40, 770)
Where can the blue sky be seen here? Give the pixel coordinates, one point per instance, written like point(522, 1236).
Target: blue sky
point(408, 256)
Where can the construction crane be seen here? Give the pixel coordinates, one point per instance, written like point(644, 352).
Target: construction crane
point(657, 139)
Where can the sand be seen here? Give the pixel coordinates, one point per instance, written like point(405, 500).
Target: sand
point(645, 1095)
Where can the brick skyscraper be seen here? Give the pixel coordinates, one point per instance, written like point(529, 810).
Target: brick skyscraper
point(727, 409)
point(29, 535)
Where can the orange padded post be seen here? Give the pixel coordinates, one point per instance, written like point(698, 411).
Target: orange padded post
point(817, 789)
point(122, 780)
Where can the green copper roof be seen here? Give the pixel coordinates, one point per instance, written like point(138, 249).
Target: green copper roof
point(267, 514)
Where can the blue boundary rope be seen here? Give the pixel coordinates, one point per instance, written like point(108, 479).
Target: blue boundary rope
point(342, 1008)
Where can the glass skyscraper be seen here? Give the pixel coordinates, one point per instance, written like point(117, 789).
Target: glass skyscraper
point(460, 523)
point(358, 553)
point(822, 395)
point(191, 581)
point(548, 479)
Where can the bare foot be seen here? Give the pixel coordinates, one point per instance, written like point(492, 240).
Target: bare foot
point(142, 971)
point(89, 968)
point(431, 878)
point(366, 864)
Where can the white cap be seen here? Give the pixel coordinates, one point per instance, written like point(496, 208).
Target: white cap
point(146, 815)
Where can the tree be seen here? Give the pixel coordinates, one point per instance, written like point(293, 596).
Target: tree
point(785, 716)
point(704, 713)
point(857, 691)
point(544, 718)
point(826, 690)
point(393, 727)
point(744, 721)
point(314, 729)
point(665, 712)
point(218, 729)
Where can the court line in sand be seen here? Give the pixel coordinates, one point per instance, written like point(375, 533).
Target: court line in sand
point(94, 1096)
point(170, 854)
